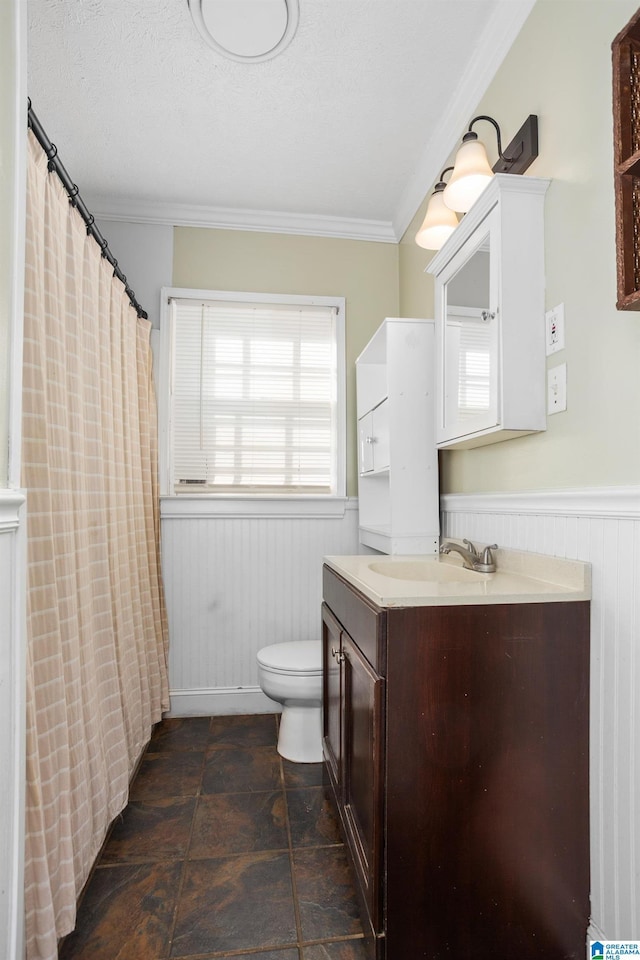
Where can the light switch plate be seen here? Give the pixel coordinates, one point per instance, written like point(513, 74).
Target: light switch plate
point(557, 389)
point(554, 329)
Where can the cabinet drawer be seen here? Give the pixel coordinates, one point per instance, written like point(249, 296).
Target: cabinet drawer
point(365, 623)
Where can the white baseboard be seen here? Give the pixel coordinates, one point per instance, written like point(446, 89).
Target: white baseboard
point(593, 933)
point(220, 702)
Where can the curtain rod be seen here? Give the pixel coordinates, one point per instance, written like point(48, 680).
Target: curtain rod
point(55, 165)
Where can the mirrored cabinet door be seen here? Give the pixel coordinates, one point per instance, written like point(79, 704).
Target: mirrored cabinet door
point(470, 344)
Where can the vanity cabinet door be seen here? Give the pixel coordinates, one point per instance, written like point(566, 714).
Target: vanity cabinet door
point(332, 694)
point(363, 739)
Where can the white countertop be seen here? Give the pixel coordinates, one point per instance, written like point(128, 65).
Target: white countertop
point(416, 581)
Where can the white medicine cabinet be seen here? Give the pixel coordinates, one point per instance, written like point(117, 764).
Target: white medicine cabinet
point(489, 297)
point(397, 455)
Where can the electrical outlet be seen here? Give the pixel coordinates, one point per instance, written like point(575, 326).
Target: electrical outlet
point(557, 389)
point(554, 327)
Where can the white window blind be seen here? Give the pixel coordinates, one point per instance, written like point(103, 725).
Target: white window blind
point(254, 397)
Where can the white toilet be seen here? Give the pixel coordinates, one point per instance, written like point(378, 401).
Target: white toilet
point(291, 673)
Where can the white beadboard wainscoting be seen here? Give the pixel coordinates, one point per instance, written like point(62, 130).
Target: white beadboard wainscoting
point(12, 720)
point(235, 583)
point(601, 526)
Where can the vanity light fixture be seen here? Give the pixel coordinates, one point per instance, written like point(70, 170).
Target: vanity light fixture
point(471, 171)
point(439, 222)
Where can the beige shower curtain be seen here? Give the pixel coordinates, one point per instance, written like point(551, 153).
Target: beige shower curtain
point(97, 678)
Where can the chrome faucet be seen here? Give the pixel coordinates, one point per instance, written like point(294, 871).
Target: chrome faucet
point(472, 560)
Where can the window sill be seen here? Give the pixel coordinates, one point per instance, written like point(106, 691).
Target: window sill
point(205, 505)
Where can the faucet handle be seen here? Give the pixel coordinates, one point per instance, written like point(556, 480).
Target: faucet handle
point(472, 550)
point(487, 556)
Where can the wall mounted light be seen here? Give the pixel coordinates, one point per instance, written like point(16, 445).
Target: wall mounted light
point(439, 222)
point(471, 171)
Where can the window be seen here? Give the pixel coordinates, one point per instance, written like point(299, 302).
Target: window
point(256, 394)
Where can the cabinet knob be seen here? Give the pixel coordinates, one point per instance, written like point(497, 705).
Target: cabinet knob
point(488, 315)
point(369, 439)
point(339, 657)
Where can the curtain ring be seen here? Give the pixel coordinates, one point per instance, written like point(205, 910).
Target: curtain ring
point(73, 193)
point(90, 222)
point(103, 245)
point(52, 153)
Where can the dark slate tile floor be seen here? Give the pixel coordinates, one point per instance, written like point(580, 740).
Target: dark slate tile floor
point(225, 850)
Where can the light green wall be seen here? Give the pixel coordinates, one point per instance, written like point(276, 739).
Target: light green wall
point(365, 274)
point(416, 286)
point(560, 69)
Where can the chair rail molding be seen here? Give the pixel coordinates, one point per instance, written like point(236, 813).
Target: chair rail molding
point(623, 502)
point(11, 502)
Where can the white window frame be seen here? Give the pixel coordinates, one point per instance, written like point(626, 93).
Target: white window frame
point(176, 505)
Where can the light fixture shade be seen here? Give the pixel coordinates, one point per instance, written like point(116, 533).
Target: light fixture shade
point(471, 173)
point(438, 224)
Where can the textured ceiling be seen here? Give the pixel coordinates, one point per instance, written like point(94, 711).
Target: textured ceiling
point(339, 125)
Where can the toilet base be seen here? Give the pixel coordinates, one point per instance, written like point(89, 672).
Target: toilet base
point(300, 737)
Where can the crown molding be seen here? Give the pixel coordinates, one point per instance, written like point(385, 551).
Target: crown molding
point(496, 41)
point(497, 38)
point(223, 218)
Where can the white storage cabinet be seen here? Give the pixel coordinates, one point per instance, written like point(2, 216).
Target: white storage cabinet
point(489, 297)
point(397, 455)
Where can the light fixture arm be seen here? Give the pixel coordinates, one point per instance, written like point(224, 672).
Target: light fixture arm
point(441, 184)
point(498, 135)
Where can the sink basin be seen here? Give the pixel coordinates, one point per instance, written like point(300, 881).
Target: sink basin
point(424, 570)
point(434, 580)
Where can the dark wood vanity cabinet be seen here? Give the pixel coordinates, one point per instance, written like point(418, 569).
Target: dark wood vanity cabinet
point(456, 742)
point(353, 744)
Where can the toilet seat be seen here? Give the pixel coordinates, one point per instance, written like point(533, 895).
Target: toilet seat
point(299, 657)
